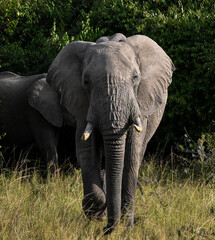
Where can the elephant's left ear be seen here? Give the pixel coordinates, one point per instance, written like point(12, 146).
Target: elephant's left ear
point(45, 100)
point(156, 73)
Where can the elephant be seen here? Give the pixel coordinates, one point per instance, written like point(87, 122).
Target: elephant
point(25, 125)
point(114, 92)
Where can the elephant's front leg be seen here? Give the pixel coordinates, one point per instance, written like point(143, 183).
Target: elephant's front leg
point(133, 157)
point(94, 201)
point(46, 137)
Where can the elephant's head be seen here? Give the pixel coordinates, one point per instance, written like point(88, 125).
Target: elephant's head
point(111, 77)
point(110, 86)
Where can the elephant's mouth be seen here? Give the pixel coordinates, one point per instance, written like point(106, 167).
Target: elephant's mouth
point(89, 128)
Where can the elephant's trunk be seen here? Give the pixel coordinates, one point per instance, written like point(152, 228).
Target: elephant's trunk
point(114, 163)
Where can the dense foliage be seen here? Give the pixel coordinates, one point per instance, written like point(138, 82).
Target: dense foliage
point(33, 31)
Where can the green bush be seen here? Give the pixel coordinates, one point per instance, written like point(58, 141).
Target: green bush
point(33, 32)
point(197, 156)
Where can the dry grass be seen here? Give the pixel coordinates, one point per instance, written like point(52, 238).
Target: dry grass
point(171, 208)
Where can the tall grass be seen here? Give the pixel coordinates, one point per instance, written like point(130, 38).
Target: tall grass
point(172, 207)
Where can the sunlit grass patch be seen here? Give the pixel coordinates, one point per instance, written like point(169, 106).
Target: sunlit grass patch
point(171, 208)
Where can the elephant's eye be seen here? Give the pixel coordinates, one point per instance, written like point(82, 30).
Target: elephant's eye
point(86, 84)
point(134, 78)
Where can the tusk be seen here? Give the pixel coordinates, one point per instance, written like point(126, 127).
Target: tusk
point(87, 132)
point(138, 124)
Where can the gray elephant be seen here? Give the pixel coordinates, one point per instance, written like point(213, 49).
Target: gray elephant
point(114, 92)
point(22, 123)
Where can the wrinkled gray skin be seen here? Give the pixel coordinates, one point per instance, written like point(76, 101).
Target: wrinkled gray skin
point(22, 123)
point(109, 84)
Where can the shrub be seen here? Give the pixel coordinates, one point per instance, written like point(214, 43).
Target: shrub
point(198, 156)
point(33, 32)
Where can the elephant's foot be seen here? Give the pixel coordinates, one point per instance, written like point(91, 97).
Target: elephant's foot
point(130, 222)
point(109, 229)
point(94, 206)
point(53, 168)
point(128, 215)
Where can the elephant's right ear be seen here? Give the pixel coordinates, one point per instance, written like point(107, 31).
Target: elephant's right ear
point(46, 101)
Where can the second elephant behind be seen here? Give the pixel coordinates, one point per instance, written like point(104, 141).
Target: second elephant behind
point(24, 125)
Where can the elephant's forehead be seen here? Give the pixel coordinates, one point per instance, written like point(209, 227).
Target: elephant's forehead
point(110, 49)
point(110, 56)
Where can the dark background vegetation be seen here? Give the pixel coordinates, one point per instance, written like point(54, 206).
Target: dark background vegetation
point(32, 32)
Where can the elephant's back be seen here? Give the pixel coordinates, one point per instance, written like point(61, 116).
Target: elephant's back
point(7, 74)
point(13, 93)
point(13, 85)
